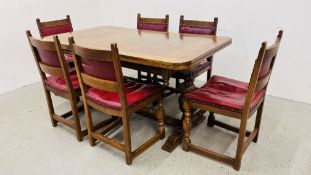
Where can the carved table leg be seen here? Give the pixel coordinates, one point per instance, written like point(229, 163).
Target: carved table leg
point(211, 119)
point(196, 118)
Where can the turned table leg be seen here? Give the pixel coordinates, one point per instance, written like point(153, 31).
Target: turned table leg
point(196, 117)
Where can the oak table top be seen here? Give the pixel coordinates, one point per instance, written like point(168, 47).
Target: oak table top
point(172, 51)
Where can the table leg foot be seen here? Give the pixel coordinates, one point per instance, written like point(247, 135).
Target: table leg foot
point(211, 120)
point(176, 137)
point(173, 140)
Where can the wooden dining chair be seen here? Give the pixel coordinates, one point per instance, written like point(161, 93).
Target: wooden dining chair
point(54, 27)
point(57, 79)
point(153, 24)
point(202, 28)
point(104, 88)
point(235, 99)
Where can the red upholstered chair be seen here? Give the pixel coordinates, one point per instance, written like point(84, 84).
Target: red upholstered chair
point(154, 24)
point(48, 28)
point(202, 28)
point(57, 79)
point(103, 88)
point(235, 99)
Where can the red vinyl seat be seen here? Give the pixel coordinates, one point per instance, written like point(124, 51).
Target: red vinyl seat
point(59, 84)
point(135, 94)
point(224, 93)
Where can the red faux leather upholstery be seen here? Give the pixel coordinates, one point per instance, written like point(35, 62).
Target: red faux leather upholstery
point(224, 93)
point(59, 83)
point(68, 57)
point(265, 66)
point(47, 31)
point(197, 30)
point(152, 26)
point(49, 57)
point(135, 93)
point(198, 68)
point(98, 69)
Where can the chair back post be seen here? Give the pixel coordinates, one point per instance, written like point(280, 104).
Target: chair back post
point(181, 22)
point(119, 78)
point(42, 74)
point(216, 24)
point(253, 81)
point(64, 66)
point(167, 20)
point(77, 63)
point(260, 77)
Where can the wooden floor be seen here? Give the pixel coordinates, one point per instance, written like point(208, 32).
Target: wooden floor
point(30, 145)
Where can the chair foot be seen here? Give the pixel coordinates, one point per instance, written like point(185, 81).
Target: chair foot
point(211, 119)
point(237, 166)
point(129, 159)
point(256, 138)
point(92, 141)
point(185, 147)
point(79, 137)
point(54, 123)
point(162, 135)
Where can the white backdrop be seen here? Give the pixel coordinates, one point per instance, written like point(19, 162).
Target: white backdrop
point(247, 22)
point(17, 66)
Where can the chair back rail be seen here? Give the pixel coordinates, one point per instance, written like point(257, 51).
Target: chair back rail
point(112, 81)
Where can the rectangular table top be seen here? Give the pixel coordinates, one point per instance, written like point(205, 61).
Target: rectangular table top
point(167, 50)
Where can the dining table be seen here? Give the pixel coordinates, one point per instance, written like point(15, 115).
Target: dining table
point(162, 52)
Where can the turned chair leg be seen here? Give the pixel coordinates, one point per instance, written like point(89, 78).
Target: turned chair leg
point(211, 119)
point(258, 120)
point(51, 107)
point(127, 140)
point(89, 123)
point(186, 126)
point(76, 119)
point(239, 151)
point(160, 115)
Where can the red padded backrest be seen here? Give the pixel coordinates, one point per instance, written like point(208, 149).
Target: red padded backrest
point(48, 57)
point(152, 26)
point(99, 69)
point(53, 30)
point(268, 60)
